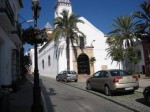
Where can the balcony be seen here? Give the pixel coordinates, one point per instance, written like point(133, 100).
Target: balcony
point(6, 14)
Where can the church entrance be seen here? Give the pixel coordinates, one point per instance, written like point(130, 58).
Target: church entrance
point(83, 64)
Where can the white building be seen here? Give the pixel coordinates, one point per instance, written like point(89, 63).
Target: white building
point(52, 57)
point(10, 43)
point(31, 55)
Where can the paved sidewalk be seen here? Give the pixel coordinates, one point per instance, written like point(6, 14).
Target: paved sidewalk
point(21, 101)
point(143, 82)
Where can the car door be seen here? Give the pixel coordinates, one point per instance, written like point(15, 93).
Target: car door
point(103, 79)
point(94, 80)
point(60, 76)
point(64, 75)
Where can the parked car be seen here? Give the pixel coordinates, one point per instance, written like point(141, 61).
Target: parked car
point(112, 81)
point(146, 93)
point(67, 76)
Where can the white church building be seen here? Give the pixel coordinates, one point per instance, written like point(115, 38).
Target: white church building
point(52, 56)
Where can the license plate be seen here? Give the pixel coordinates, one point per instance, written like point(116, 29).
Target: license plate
point(129, 88)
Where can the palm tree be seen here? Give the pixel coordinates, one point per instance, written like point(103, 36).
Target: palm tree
point(125, 28)
point(144, 27)
point(122, 37)
point(66, 27)
point(116, 53)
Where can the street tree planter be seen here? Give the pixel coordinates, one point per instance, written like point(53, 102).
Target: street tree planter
point(34, 36)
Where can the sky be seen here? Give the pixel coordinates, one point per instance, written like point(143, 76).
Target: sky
point(100, 13)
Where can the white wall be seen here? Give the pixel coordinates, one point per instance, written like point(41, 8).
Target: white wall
point(141, 62)
point(100, 53)
point(48, 70)
point(31, 55)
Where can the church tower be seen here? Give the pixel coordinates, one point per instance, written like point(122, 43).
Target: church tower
point(61, 6)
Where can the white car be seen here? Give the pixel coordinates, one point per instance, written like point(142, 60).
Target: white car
point(67, 76)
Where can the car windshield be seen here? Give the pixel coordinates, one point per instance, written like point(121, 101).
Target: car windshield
point(119, 73)
point(71, 72)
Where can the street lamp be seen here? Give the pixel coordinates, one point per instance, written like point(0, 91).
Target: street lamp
point(36, 106)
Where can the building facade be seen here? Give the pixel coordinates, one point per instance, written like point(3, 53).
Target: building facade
point(52, 56)
point(10, 43)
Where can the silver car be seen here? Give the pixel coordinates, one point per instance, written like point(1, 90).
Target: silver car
point(67, 76)
point(112, 81)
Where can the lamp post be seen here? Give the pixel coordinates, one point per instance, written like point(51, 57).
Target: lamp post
point(36, 106)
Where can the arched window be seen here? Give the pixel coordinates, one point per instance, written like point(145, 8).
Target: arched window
point(43, 64)
point(49, 60)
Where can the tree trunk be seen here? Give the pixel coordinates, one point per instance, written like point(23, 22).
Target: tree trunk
point(68, 53)
point(74, 50)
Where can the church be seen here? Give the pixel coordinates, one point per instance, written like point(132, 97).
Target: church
point(52, 56)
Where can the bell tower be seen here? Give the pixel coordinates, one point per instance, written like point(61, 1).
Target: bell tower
point(62, 5)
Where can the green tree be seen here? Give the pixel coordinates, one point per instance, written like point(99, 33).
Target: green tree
point(125, 28)
point(92, 60)
point(122, 37)
point(66, 27)
point(144, 15)
point(132, 57)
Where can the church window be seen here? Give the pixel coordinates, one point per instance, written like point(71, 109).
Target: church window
point(82, 42)
point(49, 60)
point(43, 64)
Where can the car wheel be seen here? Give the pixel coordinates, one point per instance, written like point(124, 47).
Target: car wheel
point(76, 80)
point(57, 79)
point(107, 91)
point(89, 86)
point(148, 100)
point(65, 80)
point(131, 91)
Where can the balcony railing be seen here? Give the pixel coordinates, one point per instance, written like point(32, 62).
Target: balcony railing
point(5, 7)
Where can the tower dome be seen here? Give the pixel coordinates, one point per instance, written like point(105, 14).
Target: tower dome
point(62, 5)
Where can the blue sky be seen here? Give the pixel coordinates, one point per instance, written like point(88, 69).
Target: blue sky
point(99, 12)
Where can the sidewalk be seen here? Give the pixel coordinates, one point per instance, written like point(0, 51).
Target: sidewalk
point(22, 100)
point(143, 82)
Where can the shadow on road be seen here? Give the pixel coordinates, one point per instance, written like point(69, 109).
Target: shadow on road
point(142, 101)
point(47, 94)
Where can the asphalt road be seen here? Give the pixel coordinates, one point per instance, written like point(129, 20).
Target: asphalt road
point(59, 97)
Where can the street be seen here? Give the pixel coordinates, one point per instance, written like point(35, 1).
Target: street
point(62, 98)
